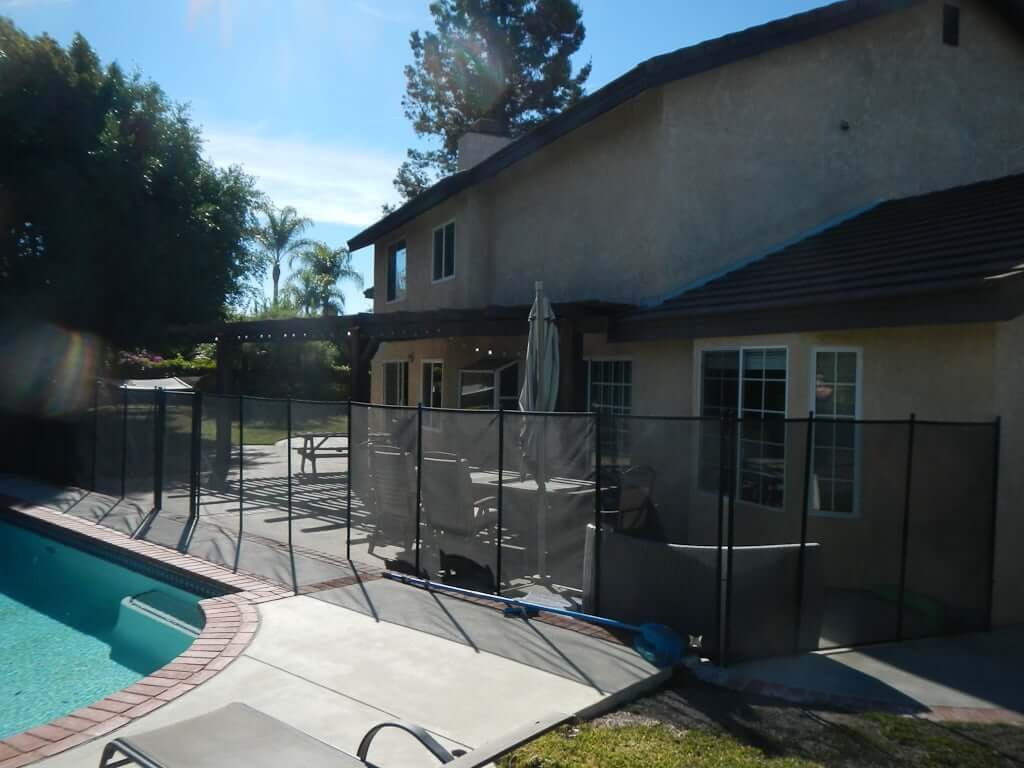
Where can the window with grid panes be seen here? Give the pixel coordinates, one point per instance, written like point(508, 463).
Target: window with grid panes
point(610, 393)
point(749, 384)
point(835, 439)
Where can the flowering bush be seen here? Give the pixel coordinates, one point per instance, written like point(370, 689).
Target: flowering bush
point(143, 364)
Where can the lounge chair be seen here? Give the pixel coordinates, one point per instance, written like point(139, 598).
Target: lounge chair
point(238, 735)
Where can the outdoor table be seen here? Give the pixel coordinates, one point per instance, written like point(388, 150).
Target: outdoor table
point(313, 447)
point(513, 482)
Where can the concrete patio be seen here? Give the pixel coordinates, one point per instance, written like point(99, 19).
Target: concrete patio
point(465, 672)
point(972, 677)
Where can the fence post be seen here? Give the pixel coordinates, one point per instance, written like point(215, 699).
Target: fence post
point(597, 513)
point(992, 530)
point(160, 395)
point(723, 482)
point(241, 469)
point(195, 463)
point(501, 481)
point(288, 421)
point(734, 426)
point(348, 484)
point(906, 528)
point(419, 479)
point(801, 562)
point(124, 439)
point(95, 431)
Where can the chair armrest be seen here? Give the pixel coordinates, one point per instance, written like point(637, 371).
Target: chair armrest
point(415, 731)
point(485, 500)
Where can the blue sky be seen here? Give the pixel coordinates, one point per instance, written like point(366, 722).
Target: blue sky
point(306, 94)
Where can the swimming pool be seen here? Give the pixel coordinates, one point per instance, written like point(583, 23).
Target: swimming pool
point(75, 627)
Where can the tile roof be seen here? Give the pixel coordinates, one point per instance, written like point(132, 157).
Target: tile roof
point(943, 241)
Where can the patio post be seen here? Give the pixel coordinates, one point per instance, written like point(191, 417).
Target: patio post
point(801, 562)
point(597, 513)
point(419, 479)
point(723, 483)
point(95, 430)
point(501, 479)
point(996, 436)
point(241, 468)
point(124, 439)
point(734, 426)
point(906, 528)
point(348, 484)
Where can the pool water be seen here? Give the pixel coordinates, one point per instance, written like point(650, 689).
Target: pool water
point(75, 627)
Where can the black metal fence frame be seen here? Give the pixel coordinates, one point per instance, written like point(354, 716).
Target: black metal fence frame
point(728, 440)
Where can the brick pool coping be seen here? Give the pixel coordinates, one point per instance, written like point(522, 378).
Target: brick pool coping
point(231, 622)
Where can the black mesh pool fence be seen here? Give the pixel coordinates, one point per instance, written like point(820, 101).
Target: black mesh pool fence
point(752, 537)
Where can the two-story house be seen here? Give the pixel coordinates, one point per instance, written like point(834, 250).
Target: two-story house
point(828, 203)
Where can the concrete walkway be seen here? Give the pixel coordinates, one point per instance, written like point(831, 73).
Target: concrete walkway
point(333, 672)
point(976, 677)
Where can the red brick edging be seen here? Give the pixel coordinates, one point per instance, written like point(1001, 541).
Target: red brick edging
point(231, 621)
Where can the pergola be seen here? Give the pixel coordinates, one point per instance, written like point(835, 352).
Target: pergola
point(363, 333)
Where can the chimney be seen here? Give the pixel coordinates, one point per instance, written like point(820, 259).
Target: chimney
point(483, 139)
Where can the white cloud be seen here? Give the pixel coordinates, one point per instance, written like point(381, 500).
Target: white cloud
point(328, 183)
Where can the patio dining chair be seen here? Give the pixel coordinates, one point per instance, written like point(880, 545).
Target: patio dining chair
point(392, 497)
point(239, 735)
point(450, 503)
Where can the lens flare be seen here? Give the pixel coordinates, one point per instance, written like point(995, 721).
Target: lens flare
point(48, 370)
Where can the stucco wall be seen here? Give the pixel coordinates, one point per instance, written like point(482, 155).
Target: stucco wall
point(1009, 586)
point(720, 167)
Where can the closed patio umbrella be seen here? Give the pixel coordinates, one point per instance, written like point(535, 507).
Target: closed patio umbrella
point(539, 393)
point(540, 385)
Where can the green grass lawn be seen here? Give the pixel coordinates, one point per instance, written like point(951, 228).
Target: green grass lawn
point(633, 746)
point(141, 419)
point(852, 741)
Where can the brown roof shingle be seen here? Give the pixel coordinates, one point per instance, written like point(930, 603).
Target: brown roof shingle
point(954, 239)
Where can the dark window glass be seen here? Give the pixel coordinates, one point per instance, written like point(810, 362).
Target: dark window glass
point(438, 254)
point(396, 383)
point(396, 272)
point(449, 249)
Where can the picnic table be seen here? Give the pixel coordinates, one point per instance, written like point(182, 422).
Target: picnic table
point(513, 481)
point(314, 446)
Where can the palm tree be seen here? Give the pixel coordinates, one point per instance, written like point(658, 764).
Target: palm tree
point(315, 284)
point(279, 237)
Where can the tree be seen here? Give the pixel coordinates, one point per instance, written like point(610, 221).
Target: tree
point(111, 221)
point(279, 237)
point(315, 284)
point(505, 60)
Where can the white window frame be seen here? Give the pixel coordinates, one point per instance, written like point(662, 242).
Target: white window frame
point(443, 278)
point(741, 348)
point(610, 359)
point(857, 416)
point(387, 272)
point(402, 381)
point(496, 372)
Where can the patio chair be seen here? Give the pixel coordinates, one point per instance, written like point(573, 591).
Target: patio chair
point(449, 502)
point(240, 735)
point(392, 497)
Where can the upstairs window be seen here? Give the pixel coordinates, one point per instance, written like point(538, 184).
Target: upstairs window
point(444, 252)
point(396, 272)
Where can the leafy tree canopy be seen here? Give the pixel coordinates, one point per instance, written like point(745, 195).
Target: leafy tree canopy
point(110, 219)
point(505, 60)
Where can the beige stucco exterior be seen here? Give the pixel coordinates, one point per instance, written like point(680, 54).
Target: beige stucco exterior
point(702, 174)
point(707, 171)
